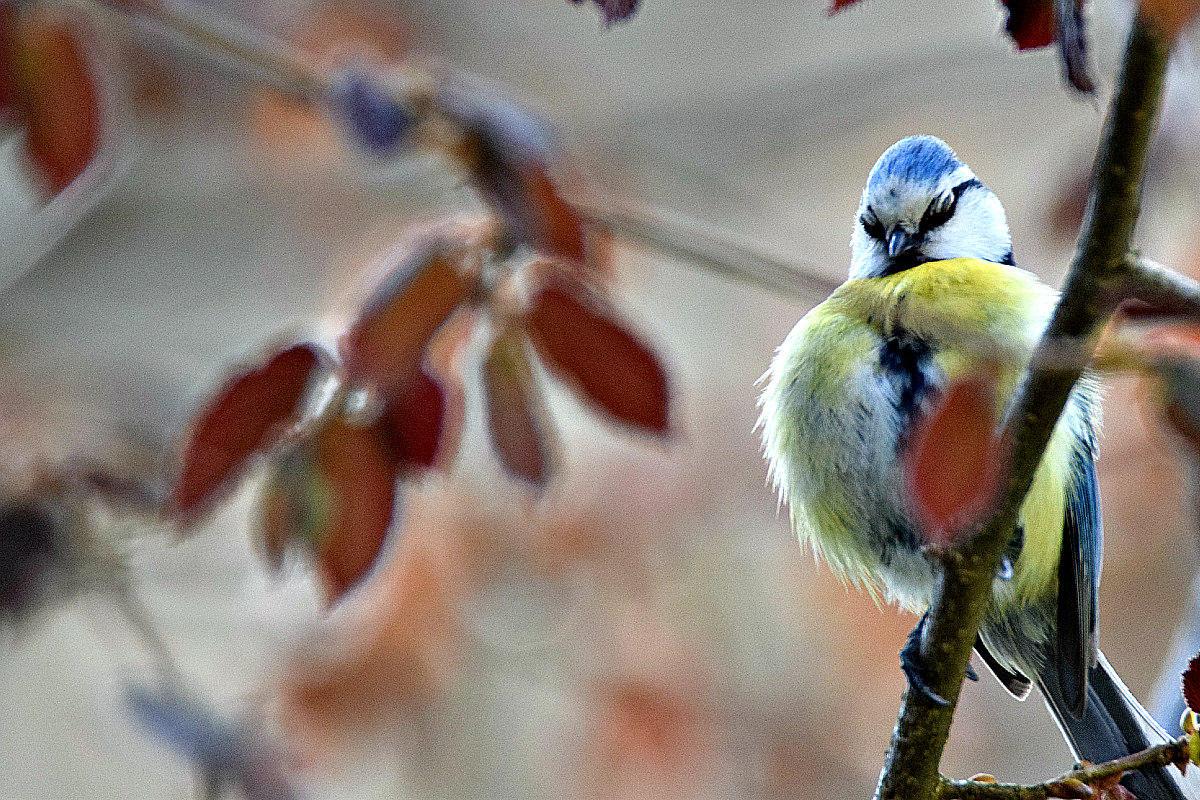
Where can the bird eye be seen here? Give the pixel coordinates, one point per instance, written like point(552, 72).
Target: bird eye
point(940, 209)
point(871, 224)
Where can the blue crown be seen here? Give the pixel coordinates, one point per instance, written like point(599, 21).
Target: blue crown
point(915, 159)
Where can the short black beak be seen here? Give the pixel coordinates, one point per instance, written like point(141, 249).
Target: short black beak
point(898, 241)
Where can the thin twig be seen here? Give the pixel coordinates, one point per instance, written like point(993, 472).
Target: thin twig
point(706, 247)
point(1161, 755)
point(1166, 290)
point(250, 54)
point(238, 48)
point(962, 595)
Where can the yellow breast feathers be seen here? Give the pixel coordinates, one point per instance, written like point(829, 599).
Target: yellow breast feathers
point(971, 314)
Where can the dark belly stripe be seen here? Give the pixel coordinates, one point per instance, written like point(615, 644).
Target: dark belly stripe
point(905, 361)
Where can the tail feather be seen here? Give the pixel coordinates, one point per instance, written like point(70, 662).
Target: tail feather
point(1115, 724)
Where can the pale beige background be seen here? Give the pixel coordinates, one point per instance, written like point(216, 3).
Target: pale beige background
point(762, 118)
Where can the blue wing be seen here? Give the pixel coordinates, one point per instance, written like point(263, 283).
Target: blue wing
point(1079, 575)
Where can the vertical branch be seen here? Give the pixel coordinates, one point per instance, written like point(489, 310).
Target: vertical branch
point(963, 592)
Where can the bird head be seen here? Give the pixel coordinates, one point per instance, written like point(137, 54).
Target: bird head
point(920, 204)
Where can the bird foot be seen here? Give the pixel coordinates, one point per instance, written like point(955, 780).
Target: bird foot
point(912, 665)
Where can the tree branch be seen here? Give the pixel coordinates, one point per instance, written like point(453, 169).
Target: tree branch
point(1167, 291)
point(252, 55)
point(1073, 784)
point(963, 592)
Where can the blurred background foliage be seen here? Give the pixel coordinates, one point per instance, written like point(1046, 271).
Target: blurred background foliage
point(648, 628)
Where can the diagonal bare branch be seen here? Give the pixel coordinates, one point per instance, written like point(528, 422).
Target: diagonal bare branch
point(963, 591)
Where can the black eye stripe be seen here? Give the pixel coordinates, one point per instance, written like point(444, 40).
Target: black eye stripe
point(930, 220)
point(933, 219)
point(872, 225)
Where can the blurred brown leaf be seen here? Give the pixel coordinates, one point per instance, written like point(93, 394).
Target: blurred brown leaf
point(578, 336)
point(423, 421)
point(952, 462)
point(334, 493)
point(361, 476)
point(555, 228)
point(1030, 23)
point(248, 414)
point(58, 97)
point(519, 424)
point(422, 287)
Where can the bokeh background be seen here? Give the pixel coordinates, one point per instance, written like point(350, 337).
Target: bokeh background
point(650, 627)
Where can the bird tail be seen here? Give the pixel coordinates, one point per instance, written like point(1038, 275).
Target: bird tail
point(1115, 724)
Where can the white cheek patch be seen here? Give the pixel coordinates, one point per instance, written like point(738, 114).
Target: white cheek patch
point(977, 229)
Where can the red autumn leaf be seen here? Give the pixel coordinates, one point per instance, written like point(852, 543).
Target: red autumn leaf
point(1037, 23)
point(554, 227)
point(245, 417)
point(517, 418)
point(1030, 23)
point(361, 473)
point(952, 463)
point(422, 422)
point(577, 335)
point(838, 5)
point(333, 493)
point(387, 342)
point(1191, 684)
point(58, 98)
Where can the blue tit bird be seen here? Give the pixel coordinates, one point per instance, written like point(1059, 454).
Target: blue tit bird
point(933, 294)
